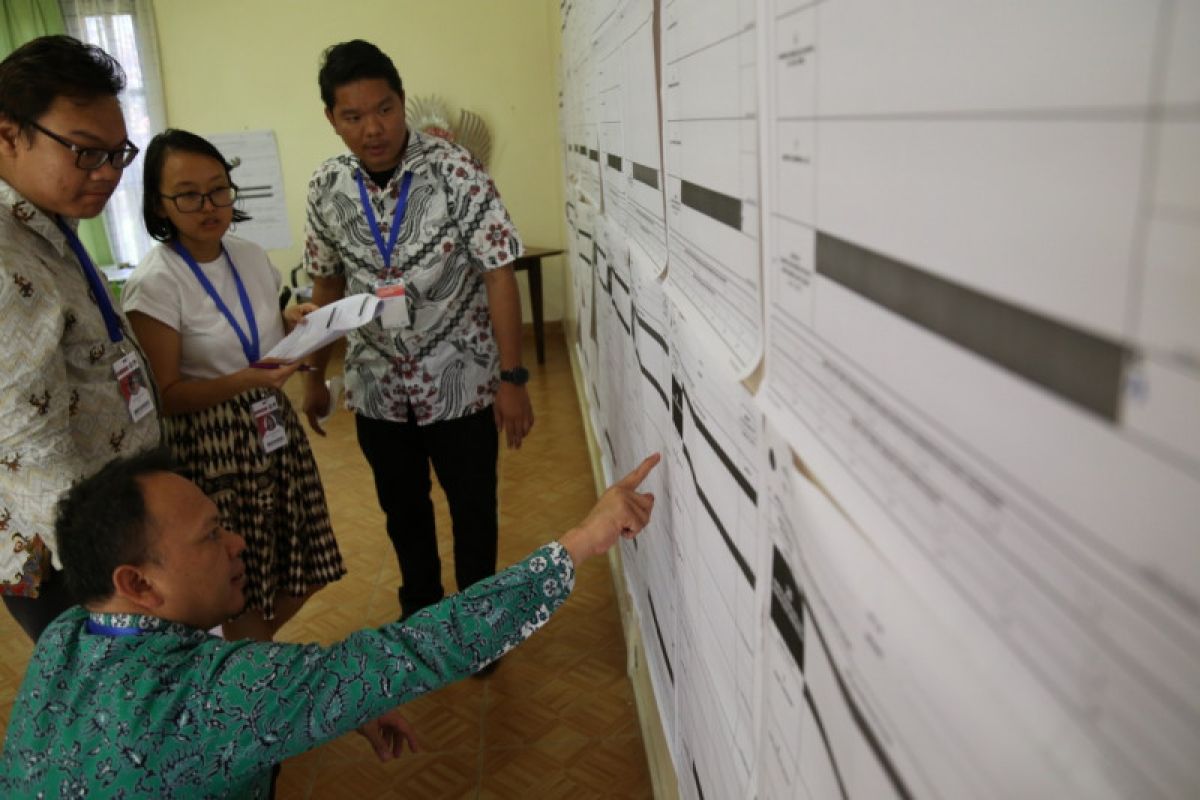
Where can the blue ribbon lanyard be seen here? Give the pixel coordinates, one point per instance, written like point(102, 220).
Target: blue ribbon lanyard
point(101, 629)
point(112, 320)
point(250, 345)
point(385, 250)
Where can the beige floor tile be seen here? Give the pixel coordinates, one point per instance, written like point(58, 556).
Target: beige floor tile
point(584, 768)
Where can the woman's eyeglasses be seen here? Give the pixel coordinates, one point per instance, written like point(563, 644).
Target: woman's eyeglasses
point(191, 202)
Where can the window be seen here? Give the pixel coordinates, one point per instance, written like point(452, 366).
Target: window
point(125, 29)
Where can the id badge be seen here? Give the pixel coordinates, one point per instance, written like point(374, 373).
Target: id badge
point(395, 304)
point(270, 424)
point(134, 386)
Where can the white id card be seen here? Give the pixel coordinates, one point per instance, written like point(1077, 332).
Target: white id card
point(395, 304)
point(270, 424)
point(135, 388)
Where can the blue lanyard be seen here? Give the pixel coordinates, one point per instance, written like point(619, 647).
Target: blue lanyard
point(112, 320)
point(100, 629)
point(397, 217)
point(250, 344)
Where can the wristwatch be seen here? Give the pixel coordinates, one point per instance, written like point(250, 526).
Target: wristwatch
point(518, 376)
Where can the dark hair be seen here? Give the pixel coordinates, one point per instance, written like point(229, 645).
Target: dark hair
point(101, 523)
point(351, 61)
point(157, 225)
point(44, 69)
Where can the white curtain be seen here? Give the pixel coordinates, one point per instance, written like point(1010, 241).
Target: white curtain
point(125, 30)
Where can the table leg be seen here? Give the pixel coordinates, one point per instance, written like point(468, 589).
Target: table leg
point(535, 301)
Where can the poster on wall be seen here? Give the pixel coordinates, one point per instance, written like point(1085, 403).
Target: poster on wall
point(714, 496)
point(630, 131)
point(960, 561)
point(710, 104)
point(258, 174)
point(1022, 449)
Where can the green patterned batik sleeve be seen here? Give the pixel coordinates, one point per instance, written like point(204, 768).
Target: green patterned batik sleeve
point(285, 699)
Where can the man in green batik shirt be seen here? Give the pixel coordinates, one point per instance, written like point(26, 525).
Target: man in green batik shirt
point(128, 696)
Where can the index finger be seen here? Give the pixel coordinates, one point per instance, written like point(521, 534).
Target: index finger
point(633, 479)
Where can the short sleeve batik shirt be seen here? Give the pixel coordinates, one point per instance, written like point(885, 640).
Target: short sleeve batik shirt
point(445, 365)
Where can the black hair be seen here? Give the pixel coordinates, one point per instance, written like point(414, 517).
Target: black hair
point(351, 61)
point(157, 225)
point(101, 523)
point(38, 72)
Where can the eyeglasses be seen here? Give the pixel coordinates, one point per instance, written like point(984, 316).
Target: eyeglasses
point(191, 202)
point(90, 158)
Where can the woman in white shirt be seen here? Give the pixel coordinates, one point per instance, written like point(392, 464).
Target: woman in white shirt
point(205, 307)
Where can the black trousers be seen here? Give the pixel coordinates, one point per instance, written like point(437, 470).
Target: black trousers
point(463, 453)
point(34, 614)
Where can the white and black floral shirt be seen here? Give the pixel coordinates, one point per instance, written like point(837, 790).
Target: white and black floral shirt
point(455, 228)
point(62, 416)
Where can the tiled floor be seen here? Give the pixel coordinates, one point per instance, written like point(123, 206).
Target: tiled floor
point(556, 720)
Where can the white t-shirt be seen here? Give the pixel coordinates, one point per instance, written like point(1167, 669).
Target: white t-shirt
point(163, 287)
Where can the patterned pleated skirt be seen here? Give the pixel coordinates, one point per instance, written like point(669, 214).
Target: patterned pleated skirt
point(275, 501)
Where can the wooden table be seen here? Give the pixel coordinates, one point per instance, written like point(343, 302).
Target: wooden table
point(531, 262)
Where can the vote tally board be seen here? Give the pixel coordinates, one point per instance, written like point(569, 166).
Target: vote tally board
point(908, 296)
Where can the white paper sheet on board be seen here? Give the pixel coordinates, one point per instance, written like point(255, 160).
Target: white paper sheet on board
point(714, 507)
point(710, 66)
point(1055, 504)
point(658, 556)
point(259, 178)
point(629, 129)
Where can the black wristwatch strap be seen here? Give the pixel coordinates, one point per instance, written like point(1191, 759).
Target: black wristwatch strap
point(517, 376)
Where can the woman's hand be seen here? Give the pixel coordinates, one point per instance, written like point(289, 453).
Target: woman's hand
point(270, 374)
point(294, 315)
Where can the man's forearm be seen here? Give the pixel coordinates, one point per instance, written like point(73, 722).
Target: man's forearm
point(504, 305)
point(373, 670)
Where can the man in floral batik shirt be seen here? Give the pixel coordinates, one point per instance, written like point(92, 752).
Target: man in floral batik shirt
point(66, 346)
point(129, 697)
point(432, 382)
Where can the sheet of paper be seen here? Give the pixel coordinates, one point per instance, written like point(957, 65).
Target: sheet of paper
point(328, 324)
point(927, 708)
point(714, 508)
point(629, 128)
point(1047, 507)
point(710, 102)
point(657, 556)
point(618, 381)
point(581, 97)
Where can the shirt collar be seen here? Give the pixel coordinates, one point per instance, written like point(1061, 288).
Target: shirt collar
point(144, 624)
point(27, 214)
point(415, 158)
